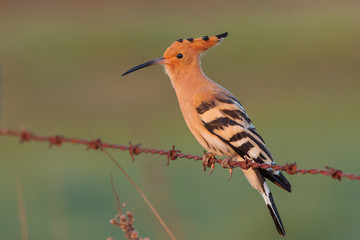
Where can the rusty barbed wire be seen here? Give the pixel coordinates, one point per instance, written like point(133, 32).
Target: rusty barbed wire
point(172, 154)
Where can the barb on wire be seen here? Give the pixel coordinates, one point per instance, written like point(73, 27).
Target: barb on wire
point(172, 154)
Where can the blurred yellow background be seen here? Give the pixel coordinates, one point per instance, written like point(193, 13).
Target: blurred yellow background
point(294, 67)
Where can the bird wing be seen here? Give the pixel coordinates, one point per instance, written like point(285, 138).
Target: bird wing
point(224, 117)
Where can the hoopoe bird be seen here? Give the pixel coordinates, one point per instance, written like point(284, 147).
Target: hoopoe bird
point(216, 118)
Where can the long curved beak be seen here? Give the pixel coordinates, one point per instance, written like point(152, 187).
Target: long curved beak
point(146, 64)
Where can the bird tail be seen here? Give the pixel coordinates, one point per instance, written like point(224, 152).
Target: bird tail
point(273, 210)
point(257, 181)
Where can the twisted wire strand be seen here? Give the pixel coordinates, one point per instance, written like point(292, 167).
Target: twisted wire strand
point(172, 154)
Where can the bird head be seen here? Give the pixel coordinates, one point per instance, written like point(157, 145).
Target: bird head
point(183, 53)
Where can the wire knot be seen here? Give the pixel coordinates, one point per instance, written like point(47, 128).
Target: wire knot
point(336, 174)
point(56, 140)
point(171, 154)
point(291, 168)
point(25, 136)
point(95, 144)
point(134, 150)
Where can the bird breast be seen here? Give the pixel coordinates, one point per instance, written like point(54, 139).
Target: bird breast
point(208, 140)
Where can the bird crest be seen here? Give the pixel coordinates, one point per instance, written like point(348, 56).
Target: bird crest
point(198, 45)
point(183, 53)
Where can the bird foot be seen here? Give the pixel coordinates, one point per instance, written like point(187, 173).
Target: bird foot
point(206, 161)
point(225, 164)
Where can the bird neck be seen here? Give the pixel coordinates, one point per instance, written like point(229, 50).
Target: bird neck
point(187, 80)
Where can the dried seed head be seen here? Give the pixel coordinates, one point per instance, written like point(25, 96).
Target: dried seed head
point(129, 214)
point(134, 235)
point(122, 218)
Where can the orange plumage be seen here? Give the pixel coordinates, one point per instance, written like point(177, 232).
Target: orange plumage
point(216, 118)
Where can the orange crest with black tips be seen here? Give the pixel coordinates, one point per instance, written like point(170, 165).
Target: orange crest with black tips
point(197, 45)
point(182, 54)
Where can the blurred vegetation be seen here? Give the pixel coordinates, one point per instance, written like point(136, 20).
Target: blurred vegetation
point(295, 68)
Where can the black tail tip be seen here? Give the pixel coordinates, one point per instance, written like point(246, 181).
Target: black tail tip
point(277, 221)
point(222, 35)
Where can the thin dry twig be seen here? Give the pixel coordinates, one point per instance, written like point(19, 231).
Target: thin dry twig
point(142, 195)
point(172, 154)
point(116, 195)
point(124, 221)
point(22, 211)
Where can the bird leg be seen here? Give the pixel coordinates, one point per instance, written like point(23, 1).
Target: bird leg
point(225, 164)
point(225, 161)
point(206, 161)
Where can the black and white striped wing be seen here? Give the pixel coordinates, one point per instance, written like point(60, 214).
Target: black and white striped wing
point(225, 118)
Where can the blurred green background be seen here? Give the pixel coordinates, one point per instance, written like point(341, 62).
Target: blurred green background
point(294, 66)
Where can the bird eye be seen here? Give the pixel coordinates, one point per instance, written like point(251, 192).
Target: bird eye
point(179, 55)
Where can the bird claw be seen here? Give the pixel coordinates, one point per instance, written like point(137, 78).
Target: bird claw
point(225, 161)
point(225, 164)
point(206, 161)
point(212, 168)
point(230, 174)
